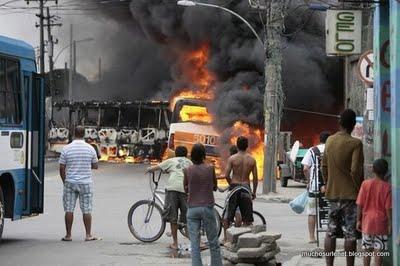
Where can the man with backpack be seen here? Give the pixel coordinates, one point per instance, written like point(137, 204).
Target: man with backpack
point(312, 171)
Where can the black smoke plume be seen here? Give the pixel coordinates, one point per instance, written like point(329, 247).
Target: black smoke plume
point(146, 57)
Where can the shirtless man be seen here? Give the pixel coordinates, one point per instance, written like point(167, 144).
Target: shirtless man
point(242, 164)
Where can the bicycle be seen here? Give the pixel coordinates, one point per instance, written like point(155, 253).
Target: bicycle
point(147, 216)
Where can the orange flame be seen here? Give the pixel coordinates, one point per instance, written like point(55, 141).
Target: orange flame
point(195, 114)
point(193, 66)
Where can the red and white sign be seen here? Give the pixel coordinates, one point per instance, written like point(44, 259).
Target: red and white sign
point(365, 68)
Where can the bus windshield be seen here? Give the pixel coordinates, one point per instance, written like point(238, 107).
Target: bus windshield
point(191, 110)
point(194, 113)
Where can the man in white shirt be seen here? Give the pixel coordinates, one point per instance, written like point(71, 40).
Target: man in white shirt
point(175, 197)
point(311, 167)
point(77, 160)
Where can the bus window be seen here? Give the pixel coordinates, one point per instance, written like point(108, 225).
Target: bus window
point(10, 92)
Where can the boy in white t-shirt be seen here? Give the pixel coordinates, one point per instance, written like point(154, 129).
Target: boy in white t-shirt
point(311, 168)
point(175, 197)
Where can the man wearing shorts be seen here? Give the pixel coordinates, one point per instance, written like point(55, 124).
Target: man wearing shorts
point(175, 198)
point(312, 171)
point(77, 160)
point(342, 168)
point(241, 164)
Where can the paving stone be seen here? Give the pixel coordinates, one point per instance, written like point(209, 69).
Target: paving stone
point(258, 228)
point(233, 233)
point(252, 252)
point(231, 247)
point(271, 246)
point(249, 240)
point(271, 254)
point(271, 262)
point(227, 263)
point(230, 256)
point(269, 237)
point(264, 259)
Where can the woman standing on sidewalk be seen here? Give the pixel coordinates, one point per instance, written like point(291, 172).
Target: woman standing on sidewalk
point(200, 182)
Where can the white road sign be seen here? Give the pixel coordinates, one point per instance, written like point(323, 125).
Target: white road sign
point(366, 68)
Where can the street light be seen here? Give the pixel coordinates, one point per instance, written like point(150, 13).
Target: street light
point(189, 3)
point(68, 45)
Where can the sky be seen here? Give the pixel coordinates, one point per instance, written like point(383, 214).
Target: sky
point(21, 26)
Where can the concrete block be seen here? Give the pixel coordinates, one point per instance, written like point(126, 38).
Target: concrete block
point(271, 254)
point(263, 259)
point(252, 252)
point(230, 256)
point(231, 247)
point(271, 246)
point(227, 263)
point(233, 233)
point(269, 237)
point(258, 228)
point(249, 240)
point(271, 262)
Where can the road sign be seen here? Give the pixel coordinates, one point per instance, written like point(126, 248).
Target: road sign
point(365, 68)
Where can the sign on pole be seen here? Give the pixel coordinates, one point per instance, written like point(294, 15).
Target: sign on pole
point(343, 32)
point(365, 68)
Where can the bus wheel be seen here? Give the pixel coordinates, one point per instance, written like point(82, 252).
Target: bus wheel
point(2, 213)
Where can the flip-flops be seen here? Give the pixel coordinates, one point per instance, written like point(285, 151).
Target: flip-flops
point(66, 239)
point(93, 238)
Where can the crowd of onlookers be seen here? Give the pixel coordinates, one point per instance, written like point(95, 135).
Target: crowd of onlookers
point(360, 207)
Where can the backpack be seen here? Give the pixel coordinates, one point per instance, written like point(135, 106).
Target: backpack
point(316, 157)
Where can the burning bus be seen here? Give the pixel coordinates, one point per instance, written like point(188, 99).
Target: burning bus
point(190, 124)
point(119, 131)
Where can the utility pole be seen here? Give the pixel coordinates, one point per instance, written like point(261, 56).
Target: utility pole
point(70, 64)
point(41, 26)
point(74, 57)
point(50, 48)
point(273, 96)
point(99, 68)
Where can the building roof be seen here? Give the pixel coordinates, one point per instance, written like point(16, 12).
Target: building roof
point(16, 47)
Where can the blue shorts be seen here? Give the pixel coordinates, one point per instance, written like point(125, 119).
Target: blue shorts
point(72, 192)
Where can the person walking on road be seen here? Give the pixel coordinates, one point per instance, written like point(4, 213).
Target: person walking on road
point(200, 182)
point(342, 168)
point(77, 160)
point(374, 212)
point(312, 171)
point(242, 165)
point(175, 197)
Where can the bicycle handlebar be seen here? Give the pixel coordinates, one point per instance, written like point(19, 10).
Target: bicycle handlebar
point(153, 176)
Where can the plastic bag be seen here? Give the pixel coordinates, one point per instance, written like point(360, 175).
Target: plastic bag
point(299, 203)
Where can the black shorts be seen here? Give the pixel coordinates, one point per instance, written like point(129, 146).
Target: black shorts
point(175, 201)
point(242, 199)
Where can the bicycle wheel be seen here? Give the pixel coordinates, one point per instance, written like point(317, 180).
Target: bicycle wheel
point(145, 221)
point(218, 219)
point(258, 219)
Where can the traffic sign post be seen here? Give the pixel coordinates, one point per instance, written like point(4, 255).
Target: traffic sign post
point(365, 68)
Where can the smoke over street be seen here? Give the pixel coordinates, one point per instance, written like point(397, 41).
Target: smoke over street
point(148, 58)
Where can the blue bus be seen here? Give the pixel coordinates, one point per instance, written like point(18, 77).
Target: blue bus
point(21, 132)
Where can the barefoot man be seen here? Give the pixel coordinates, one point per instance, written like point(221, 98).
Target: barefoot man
point(241, 164)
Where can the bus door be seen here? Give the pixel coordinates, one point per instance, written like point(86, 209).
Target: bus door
point(36, 145)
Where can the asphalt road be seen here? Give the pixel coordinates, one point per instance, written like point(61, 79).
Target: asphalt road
point(36, 241)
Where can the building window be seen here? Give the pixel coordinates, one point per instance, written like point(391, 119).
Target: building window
point(10, 92)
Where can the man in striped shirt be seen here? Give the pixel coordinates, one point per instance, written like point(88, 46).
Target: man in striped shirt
point(76, 163)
